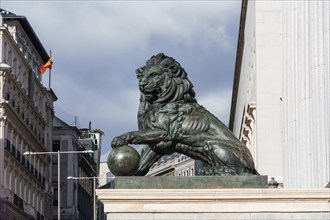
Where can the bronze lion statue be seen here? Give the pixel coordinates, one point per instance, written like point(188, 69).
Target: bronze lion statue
point(170, 120)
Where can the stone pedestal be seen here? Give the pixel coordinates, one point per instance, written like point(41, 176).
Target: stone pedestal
point(212, 204)
point(189, 182)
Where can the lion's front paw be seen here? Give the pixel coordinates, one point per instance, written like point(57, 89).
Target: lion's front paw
point(118, 141)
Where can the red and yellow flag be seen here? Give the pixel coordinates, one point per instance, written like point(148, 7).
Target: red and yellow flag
point(43, 67)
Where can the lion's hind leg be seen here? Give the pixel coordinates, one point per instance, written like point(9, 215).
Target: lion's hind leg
point(228, 160)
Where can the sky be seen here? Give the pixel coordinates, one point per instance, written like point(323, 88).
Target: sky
point(97, 46)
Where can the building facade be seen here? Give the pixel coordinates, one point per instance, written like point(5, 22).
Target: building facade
point(105, 176)
point(281, 94)
point(90, 167)
point(92, 139)
point(175, 164)
point(77, 192)
point(65, 138)
point(27, 111)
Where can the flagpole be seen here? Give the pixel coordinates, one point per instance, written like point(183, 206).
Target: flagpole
point(50, 70)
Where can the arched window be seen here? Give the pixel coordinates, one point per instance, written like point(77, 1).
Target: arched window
point(37, 203)
point(20, 186)
point(7, 177)
point(30, 194)
point(25, 197)
point(34, 202)
point(41, 206)
point(12, 181)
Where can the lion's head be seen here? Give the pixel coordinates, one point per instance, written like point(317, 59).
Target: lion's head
point(163, 80)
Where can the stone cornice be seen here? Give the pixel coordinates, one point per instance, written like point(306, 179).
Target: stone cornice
point(214, 200)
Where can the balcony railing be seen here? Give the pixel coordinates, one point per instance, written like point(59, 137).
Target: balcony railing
point(24, 162)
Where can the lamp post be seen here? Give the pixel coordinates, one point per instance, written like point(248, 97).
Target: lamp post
point(94, 188)
point(58, 172)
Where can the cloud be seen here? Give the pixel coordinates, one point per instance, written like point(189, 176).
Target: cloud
point(108, 111)
point(218, 103)
point(121, 26)
point(97, 45)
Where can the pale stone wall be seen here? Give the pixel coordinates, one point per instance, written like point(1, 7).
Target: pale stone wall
point(105, 175)
point(306, 88)
point(104, 169)
point(269, 69)
point(282, 106)
point(207, 204)
point(258, 111)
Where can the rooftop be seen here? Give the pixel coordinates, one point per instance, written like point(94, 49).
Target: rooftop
point(9, 16)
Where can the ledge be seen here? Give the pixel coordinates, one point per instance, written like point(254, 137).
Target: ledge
point(214, 200)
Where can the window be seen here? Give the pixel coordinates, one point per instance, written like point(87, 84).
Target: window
point(25, 193)
point(55, 194)
point(10, 61)
point(54, 169)
point(56, 145)
point(5, 49)
point(41, 205)
point(21, 193)
point(12, 183)
point(33, 199)
point(7, 177)
point(30, 195)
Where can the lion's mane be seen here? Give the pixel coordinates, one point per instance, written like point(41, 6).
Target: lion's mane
point(177, 86)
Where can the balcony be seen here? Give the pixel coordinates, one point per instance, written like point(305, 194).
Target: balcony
point(7, 145)
point(40, 216)
point(13, 151)
point(7, 96)
point(18, 201)
point(25, 163)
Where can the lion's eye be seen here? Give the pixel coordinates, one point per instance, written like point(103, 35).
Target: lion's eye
point(154, 74)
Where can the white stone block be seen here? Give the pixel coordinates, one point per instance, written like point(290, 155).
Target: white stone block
point(214, 204)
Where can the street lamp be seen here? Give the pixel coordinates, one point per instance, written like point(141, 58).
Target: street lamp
point(58, 172)
point(94, 188)
point(4, 66)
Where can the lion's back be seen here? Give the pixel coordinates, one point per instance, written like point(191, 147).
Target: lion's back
point(202, 124)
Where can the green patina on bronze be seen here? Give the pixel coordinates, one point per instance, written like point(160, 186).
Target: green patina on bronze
point(124, 161)
point(190, 182)
point(170, 120)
